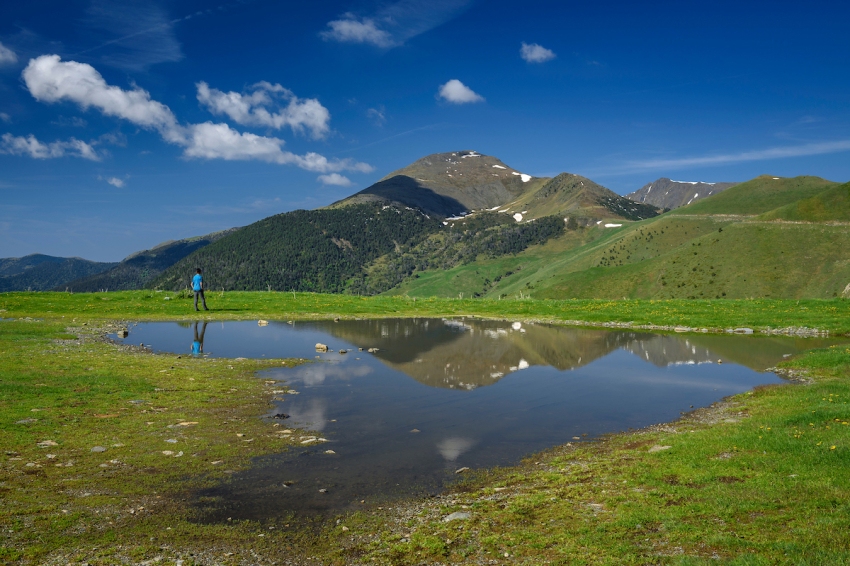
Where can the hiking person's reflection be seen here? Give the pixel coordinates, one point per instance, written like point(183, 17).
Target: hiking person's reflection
point(198, 344)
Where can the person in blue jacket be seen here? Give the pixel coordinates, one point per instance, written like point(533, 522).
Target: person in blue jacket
point(198, 288)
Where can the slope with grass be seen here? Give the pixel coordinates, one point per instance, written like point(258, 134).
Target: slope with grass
point(830, 205)
point(759, 195)
point(712, 252)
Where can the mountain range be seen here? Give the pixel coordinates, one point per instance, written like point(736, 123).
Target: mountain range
point(39, 272)
point(466, 224)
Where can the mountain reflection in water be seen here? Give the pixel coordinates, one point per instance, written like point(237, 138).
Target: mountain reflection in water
point(482, 393)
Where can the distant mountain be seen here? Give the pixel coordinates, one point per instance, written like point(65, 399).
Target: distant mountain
point(448, 184)
point(138, 269)
point(668, 194)
point(38, 272)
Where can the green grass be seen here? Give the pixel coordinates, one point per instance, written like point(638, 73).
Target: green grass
point(759, 195)
point(756, 481)
point(833, 204)
point(761, 314)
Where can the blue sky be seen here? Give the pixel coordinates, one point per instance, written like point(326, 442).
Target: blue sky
point(127, 123)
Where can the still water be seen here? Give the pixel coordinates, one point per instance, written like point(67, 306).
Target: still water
point(439, 395)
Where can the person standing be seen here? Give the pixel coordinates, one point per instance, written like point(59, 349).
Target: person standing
point(198, 288)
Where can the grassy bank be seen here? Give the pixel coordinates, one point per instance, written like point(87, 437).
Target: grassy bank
point(759, 314)
point(760, 480)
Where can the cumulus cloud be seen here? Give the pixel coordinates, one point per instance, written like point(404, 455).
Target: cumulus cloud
point(456, 92)
point(30, 146)
point(351, 30)
point(51, 80)
point(534, 53)
point(262, 107)
point(335, 179)
point(395, 23)
point(220, 141)
point(7, 56)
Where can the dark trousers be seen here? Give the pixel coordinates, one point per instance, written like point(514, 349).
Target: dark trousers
point(203, 299)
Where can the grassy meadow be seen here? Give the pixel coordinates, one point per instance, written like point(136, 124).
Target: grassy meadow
point(758, 479)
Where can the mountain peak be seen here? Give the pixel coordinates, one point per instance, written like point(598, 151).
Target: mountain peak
point(667, 193)
point(448, 184)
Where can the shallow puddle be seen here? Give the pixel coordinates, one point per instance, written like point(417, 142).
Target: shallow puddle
point(441, 395)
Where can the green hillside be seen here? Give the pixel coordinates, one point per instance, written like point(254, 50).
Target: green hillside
point(760, 195)
point(677, 255)
point(303, 250)
point(833, 204)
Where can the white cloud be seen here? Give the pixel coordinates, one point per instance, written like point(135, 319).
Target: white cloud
point(755, 155)
point(395, 23)
point(30, 146)
point(456, 92)
point(351, 30)
point(5, 117)
point(534, 53)
point(51, 80)
point(335, 179)
point(114, 181)
point(7, 56)
point(220, 141)
point(253, 109)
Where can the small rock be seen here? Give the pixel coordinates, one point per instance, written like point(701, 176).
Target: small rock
point(359, 349)
point(462, 470)
point(343, 351)
point(321, 347)
point(168, 452)
point(344, 529)
point(47, 443)
point(217, 462)
point(26, 421)
point(329, 452)
point(659, 448)
point(98, 449)
point(457, 515)
point(323, 490)
point(172, 441)
point(372, 350)
point(262, 323)
point(415, 430)
point(280, 416)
